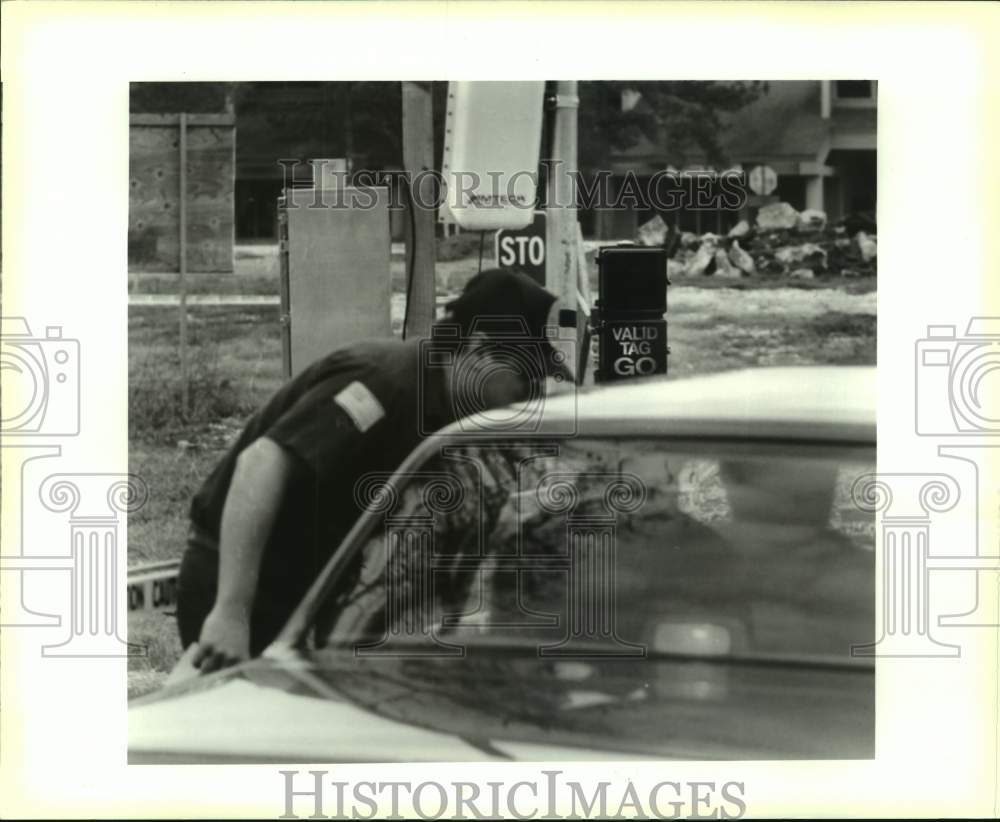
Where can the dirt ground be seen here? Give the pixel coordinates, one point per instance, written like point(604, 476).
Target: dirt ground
point(236, 364)
point(256, 271)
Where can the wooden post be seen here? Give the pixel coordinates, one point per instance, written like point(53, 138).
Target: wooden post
point(182, 279)
point(421, 254)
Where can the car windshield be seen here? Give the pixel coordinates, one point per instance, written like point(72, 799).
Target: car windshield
point(606, 547)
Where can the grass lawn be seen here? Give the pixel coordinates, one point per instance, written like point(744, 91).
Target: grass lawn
point(235, 365)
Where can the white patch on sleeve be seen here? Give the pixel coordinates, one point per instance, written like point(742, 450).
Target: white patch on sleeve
point(360, 405)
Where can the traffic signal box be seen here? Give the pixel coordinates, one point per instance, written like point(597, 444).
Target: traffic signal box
point(629, 317)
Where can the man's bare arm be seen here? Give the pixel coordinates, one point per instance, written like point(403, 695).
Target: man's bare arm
point(255, 493)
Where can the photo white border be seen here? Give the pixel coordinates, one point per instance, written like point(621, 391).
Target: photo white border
point(66, 69)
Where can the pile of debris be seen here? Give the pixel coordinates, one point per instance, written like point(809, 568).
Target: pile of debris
point(782, 243)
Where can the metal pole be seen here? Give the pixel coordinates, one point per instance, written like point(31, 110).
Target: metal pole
point(182, 284)
point(561, 263)
point(421, 254)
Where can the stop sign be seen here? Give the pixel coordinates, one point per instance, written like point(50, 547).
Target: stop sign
point(523, 249)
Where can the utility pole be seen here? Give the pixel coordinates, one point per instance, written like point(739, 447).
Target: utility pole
point(421, 255)
point(182, 216)
point(562, 252)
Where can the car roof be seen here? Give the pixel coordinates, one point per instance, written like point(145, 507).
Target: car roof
point(798, 402)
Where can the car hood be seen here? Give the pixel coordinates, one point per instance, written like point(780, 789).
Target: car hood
point(336, 707)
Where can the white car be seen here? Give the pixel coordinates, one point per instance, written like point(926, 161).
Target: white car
point(662, 569)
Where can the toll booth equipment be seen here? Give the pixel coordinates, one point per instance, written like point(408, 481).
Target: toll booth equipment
point(335, 249)
point(628, 320)
point(493, 135)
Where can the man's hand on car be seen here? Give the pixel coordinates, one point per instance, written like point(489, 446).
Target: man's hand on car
point(224, 641)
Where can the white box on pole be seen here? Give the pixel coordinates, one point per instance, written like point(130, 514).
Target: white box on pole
point(493, 136)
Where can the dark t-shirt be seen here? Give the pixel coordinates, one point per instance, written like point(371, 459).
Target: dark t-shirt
point(353, 412)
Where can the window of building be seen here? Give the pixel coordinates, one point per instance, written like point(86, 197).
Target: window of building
point(854, 89)
point(257, 209)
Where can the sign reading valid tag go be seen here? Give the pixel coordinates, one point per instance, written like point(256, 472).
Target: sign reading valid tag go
point(635, 349)
point(493, 132)
point(631, 329)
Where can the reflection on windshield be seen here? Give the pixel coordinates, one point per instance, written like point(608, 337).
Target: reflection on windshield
point(613, 548)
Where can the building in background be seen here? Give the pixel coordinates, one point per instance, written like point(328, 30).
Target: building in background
point(160, 145)
point(355, 121)
point(819, 136)
point(274, 121)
